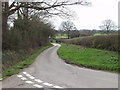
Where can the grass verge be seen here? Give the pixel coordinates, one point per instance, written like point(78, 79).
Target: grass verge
point(89, 57)
point(25, 63)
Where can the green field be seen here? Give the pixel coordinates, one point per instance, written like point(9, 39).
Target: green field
point(16, 68)
point(89, 57)
point(61, 36)
point(96, 34)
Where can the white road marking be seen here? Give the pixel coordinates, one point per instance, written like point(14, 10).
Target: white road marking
point(57, 87)
point(47, 84)
point(25, 73)
point(38, 86)
point(32, 77)
point(24, 78)
point(37, 80)
point(19, 76)
point(28, 75)
point(29, 82)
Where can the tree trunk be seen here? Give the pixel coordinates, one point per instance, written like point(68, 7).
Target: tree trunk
point(5, 14)
point(4, 22)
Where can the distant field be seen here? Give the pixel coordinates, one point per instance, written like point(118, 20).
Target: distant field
point(66, 36)
point(89, 57)
point(61, 36)
point(99, 34)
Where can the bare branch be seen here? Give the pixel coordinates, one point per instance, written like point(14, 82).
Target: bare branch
point(12, 5)
point(38, 6)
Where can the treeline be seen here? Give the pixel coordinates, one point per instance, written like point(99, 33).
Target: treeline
point(27, 34)
point(23, 39)
point(107, 42)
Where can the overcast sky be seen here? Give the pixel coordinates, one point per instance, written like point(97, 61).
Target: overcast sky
point(92, 17)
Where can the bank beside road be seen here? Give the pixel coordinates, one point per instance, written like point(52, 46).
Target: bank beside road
point(89, 57)
point(23, 64)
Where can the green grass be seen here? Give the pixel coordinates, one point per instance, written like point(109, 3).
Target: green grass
point(53, 41)
point(89, 57)
point(96, 34)
point(0, 77)
point(62, 36)
point(16, 68)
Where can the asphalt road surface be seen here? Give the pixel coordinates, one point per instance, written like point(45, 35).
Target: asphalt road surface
point(49, 71)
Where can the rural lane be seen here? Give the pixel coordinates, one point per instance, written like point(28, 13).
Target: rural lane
point(49, 71)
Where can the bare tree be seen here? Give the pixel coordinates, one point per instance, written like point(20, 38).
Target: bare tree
point(108, 25)
point(67, 26)
point(46, 7)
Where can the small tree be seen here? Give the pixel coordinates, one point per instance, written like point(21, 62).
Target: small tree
point(67, 26)
point(108, 25)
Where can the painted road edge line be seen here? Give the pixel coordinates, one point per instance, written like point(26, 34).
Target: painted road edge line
point(29, 82)
point(57, 87)
point(38, 80)
point(23, 78)
point(38, 86)
point(47, 84)
point(20, 76)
